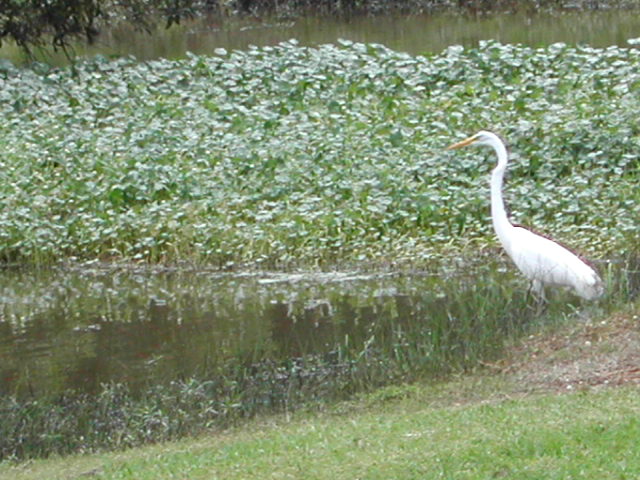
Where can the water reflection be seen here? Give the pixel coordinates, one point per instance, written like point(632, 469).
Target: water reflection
point(78, 329)
point(413, 34)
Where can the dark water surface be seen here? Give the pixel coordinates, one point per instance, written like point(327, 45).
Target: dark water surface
point(77, 329)
point(413, 34)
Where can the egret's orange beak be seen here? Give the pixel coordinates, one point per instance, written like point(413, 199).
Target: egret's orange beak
point(463, 143)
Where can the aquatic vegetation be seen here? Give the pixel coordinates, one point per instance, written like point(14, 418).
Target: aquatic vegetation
point(116, 359)
point(198, 364)
point(290, 156)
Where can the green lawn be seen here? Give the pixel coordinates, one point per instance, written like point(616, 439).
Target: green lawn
point(460, 430)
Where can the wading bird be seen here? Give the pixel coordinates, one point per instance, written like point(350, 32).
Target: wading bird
point(541, 260)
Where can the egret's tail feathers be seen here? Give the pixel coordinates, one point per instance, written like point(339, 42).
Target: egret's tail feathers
point(591, 290)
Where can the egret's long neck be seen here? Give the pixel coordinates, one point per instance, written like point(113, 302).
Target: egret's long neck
point(498, 214)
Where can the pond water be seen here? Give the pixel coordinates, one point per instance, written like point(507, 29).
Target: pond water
point(78, 329)
point(413, 34)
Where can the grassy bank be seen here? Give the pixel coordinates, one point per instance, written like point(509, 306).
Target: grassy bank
point(592, 435)
point(287, 157)
point(564, 405)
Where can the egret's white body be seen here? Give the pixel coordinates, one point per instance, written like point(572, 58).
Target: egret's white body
point(541, 260)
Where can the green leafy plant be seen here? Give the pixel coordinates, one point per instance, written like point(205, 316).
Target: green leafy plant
point(288, 156)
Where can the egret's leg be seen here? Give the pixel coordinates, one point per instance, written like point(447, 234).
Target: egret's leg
point(536, 290)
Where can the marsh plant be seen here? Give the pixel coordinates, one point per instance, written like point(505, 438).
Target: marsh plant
point(289, 156)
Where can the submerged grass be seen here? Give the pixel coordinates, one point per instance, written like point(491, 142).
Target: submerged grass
point(434, 335)
point(296, 157)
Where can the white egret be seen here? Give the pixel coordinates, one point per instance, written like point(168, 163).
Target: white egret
point(540, 259)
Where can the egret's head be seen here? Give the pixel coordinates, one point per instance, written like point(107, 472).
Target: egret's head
point(480, 138)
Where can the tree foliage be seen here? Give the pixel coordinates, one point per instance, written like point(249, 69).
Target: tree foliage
point(34, 23)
